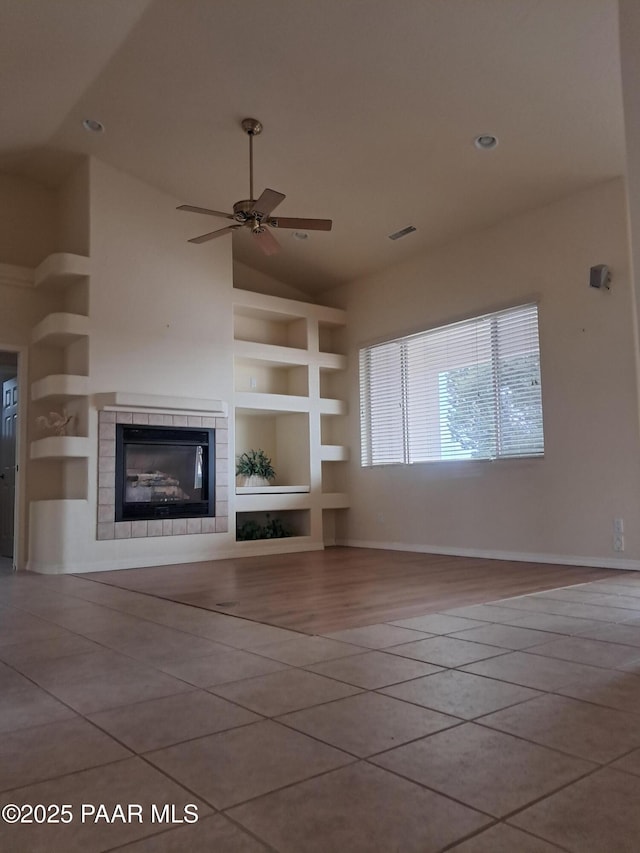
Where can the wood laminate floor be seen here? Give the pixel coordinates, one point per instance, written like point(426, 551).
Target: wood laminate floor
point(341, 588)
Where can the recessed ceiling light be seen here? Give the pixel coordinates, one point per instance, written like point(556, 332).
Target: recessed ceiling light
point(485, 142)
point(93, 125)
point(300, 235)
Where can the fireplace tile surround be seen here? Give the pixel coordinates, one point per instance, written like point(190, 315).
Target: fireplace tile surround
point(108, 528)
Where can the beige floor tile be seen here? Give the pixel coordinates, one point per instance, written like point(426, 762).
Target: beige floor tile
point(374, 669)
point(24, 629)
point(212, 835)
point(130, 781)
point(116, 689)
point(242, 634)
point(306, 650)
point(506, 636)
point(11, 680)
point(67, 644)
point(629, 763)
point(536, 671)
point(501, 612)
point(224, 666)
point(162, 722)
point(579, 728)
point(627, 634)
point(72, 669)
point(488, 770)
point(46, 751)
point(598, 814)
point(368, 723)
point(438, 623)
point(610, 688)
point(460, 693)
point(91, 618)
point(588, 596)
point(445, 651)
point(359, 809)
point(592, 652)
point(598, 612)
point(156, 643)
point(378, 636)
point(234, 766)
point(284, 691)
point(557, 624)
point(23, 707)
point(504, 839)
point(615, 586)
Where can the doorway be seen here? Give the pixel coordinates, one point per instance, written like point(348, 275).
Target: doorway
point(8, 458)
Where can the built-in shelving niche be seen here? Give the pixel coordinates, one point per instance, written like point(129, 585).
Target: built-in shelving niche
point(296, 521)
point(284, 437)
point(270, 327)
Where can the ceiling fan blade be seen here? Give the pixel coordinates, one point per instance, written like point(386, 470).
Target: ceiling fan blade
point(267, 242)
point(206, 210)
point(302, 224)
point(213, 234)
point(269, 200)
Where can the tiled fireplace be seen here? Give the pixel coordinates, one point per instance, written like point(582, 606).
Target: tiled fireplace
point(108, 527)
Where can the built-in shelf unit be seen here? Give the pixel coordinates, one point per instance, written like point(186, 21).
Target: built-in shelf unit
point(59, 372)
point(288, 357)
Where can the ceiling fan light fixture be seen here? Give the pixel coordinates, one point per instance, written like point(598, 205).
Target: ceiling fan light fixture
point(93, 125)
point(300, 235)
point(486, 142)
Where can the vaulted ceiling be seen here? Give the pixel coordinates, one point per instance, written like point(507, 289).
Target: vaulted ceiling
point(369, 107)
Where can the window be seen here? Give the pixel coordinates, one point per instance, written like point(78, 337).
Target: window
point(470, 390)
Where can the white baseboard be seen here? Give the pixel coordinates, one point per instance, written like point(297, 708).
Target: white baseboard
point(146, 562)
point(515, 556)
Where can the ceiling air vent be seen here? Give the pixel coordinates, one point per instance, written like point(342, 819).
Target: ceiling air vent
point(402, 233)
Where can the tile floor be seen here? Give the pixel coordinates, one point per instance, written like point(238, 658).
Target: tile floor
point(509, 727)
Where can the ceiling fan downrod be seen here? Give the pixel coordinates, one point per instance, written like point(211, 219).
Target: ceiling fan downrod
point(252, 127)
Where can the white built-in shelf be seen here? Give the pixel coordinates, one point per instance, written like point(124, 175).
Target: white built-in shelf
point(60, 329)
point(60, 447)
point(60, 270)
point(332, 407)
point(334, 453)
point(248, 303)
point(283, 545)
point(271, 490)
point(276, 403)
point(60, 386)
point(335, 500)
point(273, 503)
point(332, 361)
point(277, 356)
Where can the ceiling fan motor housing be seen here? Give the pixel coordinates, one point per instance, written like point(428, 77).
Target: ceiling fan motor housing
point(244, 210)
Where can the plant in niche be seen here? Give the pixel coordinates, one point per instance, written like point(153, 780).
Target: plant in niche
point(255, 464)
point(273, 528)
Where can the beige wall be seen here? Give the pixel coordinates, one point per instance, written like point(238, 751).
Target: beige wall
point(564, 504)
point(247, 278)
point(160, 323)
point(27, 221)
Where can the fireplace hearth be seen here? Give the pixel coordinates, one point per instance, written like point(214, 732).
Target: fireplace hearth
point(164, 472)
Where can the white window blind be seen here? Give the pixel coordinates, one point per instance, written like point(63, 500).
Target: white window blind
point(470, 390)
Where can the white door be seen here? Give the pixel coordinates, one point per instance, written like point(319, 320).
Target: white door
point(8, 464)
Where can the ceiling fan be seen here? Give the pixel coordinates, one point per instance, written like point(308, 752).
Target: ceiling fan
point(254, 214)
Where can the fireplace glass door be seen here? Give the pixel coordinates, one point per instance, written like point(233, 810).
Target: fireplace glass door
point(164, 472)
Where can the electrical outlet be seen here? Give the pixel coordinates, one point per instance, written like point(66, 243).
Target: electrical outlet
point(253, 383)
point(618, 542)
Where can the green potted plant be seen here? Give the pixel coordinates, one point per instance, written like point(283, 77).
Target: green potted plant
point(254, 468)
